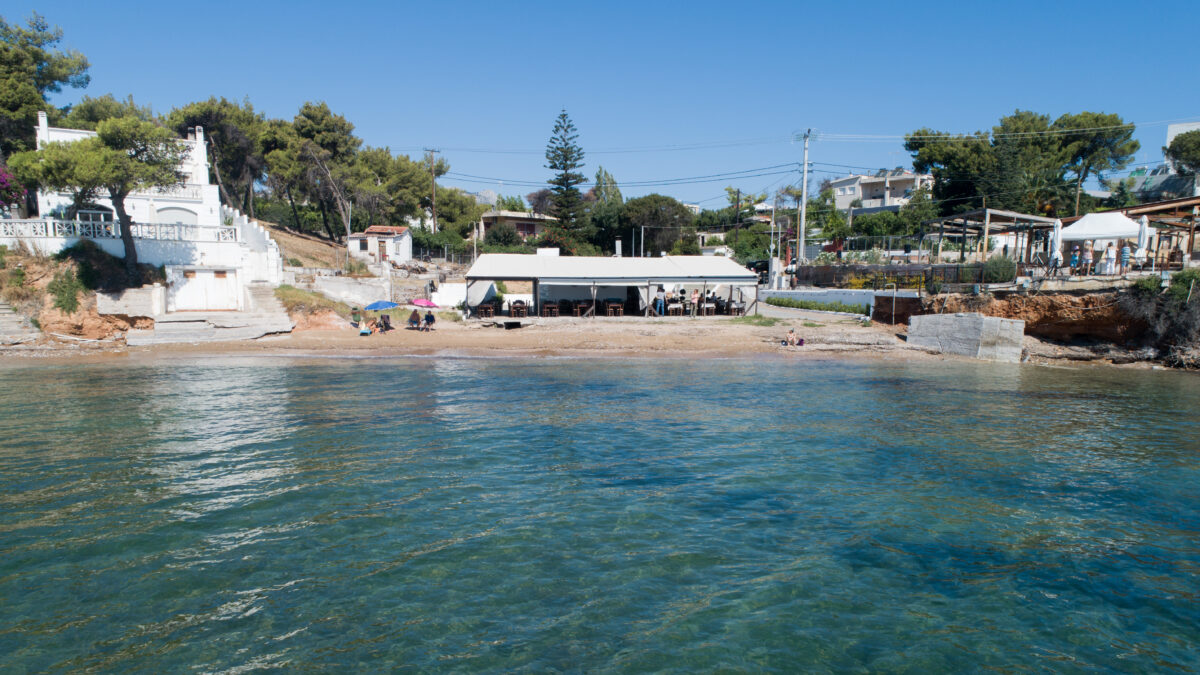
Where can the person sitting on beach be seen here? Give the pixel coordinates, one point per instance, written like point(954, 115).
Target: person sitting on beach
point(429, 319)
point(365, 327)
point(414, 320)
point(791, 339)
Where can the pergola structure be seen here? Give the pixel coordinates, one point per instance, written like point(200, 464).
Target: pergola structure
point(983, 223)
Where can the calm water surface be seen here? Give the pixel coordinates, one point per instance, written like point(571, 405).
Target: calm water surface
point(597, 515)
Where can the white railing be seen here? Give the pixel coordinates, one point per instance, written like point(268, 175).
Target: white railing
point(193, 192)
point(45, 228)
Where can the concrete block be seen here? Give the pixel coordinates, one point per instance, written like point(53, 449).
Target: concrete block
point(970, 334)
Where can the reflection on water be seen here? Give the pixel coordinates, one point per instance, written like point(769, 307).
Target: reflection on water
point(611, 515)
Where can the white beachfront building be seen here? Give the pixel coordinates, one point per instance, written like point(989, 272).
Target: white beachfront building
point(381, 243)
point(213, 255)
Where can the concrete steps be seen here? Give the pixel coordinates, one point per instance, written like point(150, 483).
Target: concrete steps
point(264, 316)
point(14, 328)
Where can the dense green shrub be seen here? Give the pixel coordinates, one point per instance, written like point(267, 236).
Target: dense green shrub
point(1183, 285)
point(999, 270)
point(3, 255)
point(65, 288)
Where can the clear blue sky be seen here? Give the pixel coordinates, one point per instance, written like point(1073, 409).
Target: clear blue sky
point(729, 83)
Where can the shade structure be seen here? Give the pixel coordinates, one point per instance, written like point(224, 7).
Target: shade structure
point(1108, 225)
point(422, 302)
point(1143, 239)
point(380, 304)
point(586, 270)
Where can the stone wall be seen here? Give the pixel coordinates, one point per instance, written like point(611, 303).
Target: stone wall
point(145, 301)
point(975, 335)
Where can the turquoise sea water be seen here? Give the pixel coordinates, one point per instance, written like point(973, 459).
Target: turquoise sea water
point(474, 515)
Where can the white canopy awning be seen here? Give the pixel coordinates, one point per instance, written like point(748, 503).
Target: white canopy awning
point(604, 271)
point(1109, 225)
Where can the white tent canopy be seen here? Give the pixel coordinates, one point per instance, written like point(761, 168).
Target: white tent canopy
point(1110, 225)
point(588, 270)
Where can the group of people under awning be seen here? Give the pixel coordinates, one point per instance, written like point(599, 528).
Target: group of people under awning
point(1126, 243)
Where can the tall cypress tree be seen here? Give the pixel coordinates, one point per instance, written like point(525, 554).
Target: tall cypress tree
point(564, 157)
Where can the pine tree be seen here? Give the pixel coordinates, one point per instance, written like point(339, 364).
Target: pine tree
point(564, 157)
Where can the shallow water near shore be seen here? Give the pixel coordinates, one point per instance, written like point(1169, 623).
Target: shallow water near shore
point(228, 515)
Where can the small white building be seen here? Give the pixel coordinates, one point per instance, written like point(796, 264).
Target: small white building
point(381, 243)
point(526, 223)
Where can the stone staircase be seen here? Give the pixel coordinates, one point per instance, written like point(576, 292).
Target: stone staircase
point(264, 316)
point(14, 328)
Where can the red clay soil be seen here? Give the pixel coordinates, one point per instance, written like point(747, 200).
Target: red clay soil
point(1059, 316)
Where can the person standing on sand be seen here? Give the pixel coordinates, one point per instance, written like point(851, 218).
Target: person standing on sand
point(660, 301)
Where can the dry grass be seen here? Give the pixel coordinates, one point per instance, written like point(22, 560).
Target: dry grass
point(299, 301)
point(310, 250)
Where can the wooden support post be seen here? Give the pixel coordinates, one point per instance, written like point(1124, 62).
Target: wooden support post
point(987, 227)
point(755, 300)
point(941, 238)
point(649, 298)
point(592, 312)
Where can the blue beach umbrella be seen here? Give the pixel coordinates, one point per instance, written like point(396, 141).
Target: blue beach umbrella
point(380, 304)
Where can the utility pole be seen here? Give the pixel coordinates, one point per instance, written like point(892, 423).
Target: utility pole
point(737, 214)
point(433, 183)
point(643, 241)
point(803, 202)
point(771, 265)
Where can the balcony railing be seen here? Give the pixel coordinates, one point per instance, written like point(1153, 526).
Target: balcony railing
point(47, 228)
point(192, 192)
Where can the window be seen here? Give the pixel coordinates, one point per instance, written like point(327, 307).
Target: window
point(850, 190)
point(841, 191)
point(220, 274)
point(362, 244)
point(189, 274)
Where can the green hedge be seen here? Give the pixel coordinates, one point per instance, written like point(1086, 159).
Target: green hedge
point(820, 306)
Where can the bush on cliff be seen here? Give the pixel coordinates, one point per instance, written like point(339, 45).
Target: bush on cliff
point(1173, 315)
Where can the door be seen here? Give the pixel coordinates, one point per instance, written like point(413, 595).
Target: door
point(206, 291)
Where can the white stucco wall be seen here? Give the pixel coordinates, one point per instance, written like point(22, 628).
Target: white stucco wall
point(355, 292)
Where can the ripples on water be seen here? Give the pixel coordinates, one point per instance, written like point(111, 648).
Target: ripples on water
point(613, 515)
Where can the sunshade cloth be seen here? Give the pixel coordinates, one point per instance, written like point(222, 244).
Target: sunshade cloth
point(380, 304)
point(422, 302)
point(1109, 225)
point(1056, 239)
point(1143, 237)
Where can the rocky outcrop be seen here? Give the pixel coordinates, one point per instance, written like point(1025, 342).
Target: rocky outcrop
point(86, 322)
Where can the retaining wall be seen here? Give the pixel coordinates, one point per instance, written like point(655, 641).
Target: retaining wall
point(975, 335)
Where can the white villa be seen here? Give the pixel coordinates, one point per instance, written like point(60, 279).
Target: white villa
point(214, 256)
point(884, 189)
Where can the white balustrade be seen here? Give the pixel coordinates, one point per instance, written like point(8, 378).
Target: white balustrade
point(46, 228)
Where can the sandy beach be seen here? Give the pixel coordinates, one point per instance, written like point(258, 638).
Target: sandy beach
point(824, 334)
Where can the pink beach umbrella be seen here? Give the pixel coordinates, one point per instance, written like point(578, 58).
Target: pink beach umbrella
point(422, 302)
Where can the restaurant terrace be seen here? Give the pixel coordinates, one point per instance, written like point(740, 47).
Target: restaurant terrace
point(585, 285)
